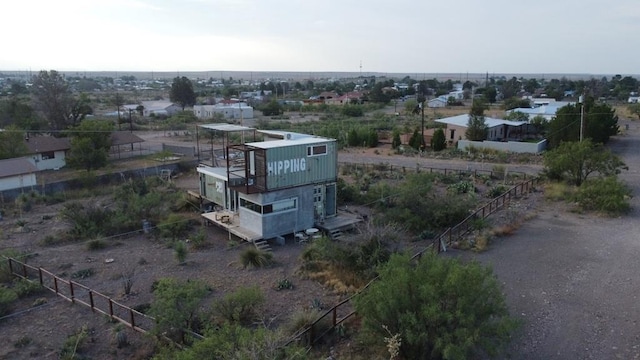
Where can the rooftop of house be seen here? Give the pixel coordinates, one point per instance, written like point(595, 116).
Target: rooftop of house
point(40, 144)
point(463, 120)
point(124, 138)
point(16, 166)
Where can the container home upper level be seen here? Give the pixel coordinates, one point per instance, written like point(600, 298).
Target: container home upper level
point(283, 160)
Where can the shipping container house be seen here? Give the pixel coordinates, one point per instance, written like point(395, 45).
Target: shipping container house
point(271, 188)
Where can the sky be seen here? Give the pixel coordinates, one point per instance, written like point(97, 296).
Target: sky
point(399, 36)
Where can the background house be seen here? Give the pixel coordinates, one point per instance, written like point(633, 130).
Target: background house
point(238, 110)
point(159, 108)
point(17, 173)
point(47, 152)
point(497, 129)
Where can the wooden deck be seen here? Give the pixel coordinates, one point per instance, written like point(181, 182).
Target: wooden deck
point(229, 221)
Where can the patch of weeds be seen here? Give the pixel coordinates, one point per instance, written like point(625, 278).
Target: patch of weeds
point(142, 261)
point(254, 258)
point(284, 284)
point(65, 266)
point(25, 288)
point(73, 344)
point(481, 242)
point(22, 342)
point(496, 191)
point(83, 274)
point(142, 308)
point(21, 223)
point(51, 240)
point(39, 301)
point(96, 244)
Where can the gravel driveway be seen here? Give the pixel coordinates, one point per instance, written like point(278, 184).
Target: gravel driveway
point(573, 279)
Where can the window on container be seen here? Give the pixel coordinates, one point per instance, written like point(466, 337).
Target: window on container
point(316, 150)
point(280, 206)
point(251, 206)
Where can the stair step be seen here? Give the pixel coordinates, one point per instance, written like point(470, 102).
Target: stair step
point(262, 245)
point(335, 234)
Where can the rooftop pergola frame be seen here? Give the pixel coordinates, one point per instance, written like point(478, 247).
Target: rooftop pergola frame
point(228, 133)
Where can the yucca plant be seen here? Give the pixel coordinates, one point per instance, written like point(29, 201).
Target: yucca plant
point(254, 258)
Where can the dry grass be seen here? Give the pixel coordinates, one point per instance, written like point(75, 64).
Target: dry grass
point(558, 191)
point(341, 281)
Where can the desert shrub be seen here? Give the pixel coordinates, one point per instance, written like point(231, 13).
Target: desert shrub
point(5, 271)
point(254, 258)
point(7, 297)
point(242, 306)
point(607, 195)
point(462, 187)
point(96, 244)
point(173, 227)
point(496, 191)
point(73, 344)
point(87, 221)
point(198, 239)
point(180, 251)
point(558, 191)
point(83, 273)
point(24, 288)
point(498, 171)
point(301, 319)
point(284, 284)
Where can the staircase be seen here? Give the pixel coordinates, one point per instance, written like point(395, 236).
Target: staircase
point(262, 245)
point(335, 234)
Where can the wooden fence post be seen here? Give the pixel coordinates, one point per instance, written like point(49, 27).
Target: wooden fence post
point(133, 323)
point(10, 265)
point(40, 276)
point(71, 291)
point(91, 300)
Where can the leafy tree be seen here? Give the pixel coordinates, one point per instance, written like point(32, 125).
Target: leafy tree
point(491, 94)
point(516, 116)
point(576, 161)
point(12, 143)
point(182, 92)
point(17, 111)
point(447, 310)
point(600, 123)
point(438, 141)
point(90, 144)
point(396, 142)
point(80, 108)
point(540, 124)
point(511, 87)
point(514, 103)
point(634, 109)
point(477, 127)
point(175, 305)
point(416, 140)
point(607, 194)
point(53, 98)
point(272, 108)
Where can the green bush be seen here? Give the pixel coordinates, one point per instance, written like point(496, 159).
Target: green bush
point(243, 306)
point(180, 250)
point(96, 244)
point(496, 191)
point(254, 258)
point(83, 274)
point(173, 227)
point(24, 288)
point(607, 195)
point(7, 297)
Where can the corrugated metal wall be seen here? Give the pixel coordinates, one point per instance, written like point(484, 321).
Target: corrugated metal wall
point(290, 166)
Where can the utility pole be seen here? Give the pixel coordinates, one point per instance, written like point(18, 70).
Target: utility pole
point(131, 125)
point(581, 100)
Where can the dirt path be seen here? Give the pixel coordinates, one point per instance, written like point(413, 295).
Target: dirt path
point(573, 279)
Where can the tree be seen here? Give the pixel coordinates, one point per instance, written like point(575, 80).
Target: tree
point(439, 308)
point(90, 144)
point(12, 143)
point(517, 116)
point(491, 94)
point(17, 111)
point(80, 108)
point(182, 92)
point(273, 108)
point(477, 127)
point(175, 306)
point(576, 161)
point(600, 123)
point(438, 141)
point(396, 142)
point(514, 102)
point(634, 109)
point(53, 98)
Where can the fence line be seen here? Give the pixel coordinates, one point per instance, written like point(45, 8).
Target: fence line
point(437, 245)
point(384, 167)
point(77, 293)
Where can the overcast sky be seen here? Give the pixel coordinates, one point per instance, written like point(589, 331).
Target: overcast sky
point(458, 36)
